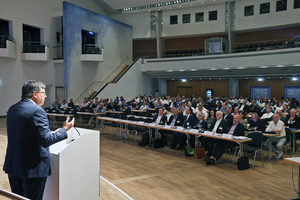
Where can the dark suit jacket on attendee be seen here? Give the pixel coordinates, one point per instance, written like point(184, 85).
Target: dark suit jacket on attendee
point(190, 120)
point(203, 125)
point(29, 138)
point(259, 124)
point(163, 119)
point(228, 118)
point(178, 122)
point(222, 128)
point(239, 129)
point(295, 122)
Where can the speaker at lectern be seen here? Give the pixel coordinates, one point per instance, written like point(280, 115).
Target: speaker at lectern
point(75, 164)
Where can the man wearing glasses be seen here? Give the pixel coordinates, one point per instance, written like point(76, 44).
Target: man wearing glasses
point(27, 160)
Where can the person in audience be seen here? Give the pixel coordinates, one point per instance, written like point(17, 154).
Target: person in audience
point(201, 110)
point(243, 121)
point(139, 104)
point(159, 105)
point(251, 110)
point(92, 105)
point(279, 106)
point(276, 126)
point(145, 106)
point(268, 115)
point(116, 101)
point(236, 129)
point(190, 105)
point(292, 120)
point(261, 103)
point(243, 106)
point(223, 109)
point(95, 102)
point(281, 117)
point(123, 106)
point(218, 107)
point(298, 111)
point(256, 124)
point(175, 120)
point(84, 104)
point(100, 108)
point(71, 104)
point(218, 126)
point(198, 124)
point(160, 119)
point(55, 103)
point(182, 108)
point(235, 111)
point(188, 121)
point(227, 116)
point(132, 103)
point(285, 111)
point(286, 102)
point(111, 106)
point(64, 105)
point(211, 118)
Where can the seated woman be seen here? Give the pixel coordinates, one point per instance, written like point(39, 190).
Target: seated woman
point(211, 118)
point(237, 129)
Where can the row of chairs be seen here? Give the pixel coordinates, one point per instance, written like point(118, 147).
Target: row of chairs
point(258, 46)
point(182, 53)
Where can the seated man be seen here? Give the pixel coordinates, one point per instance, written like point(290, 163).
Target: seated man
point(175, 120)
point(159, 119)
point(276, 126)
point(227, 116)
point(84, 104)
point(111, 106)
point(55, 104)
point(256, 124)
point(201, 110)
point(268, 115)
point(71, 104)
point(188, 120)
point(250, 111)
point(218, 126)
point(236, 129)
point(99, 109)
point(145, 106)
point(293, 121)
point(64, 106)
point(200, 123)
point(159, 105)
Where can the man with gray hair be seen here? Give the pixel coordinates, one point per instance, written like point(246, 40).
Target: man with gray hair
point(276, 126)
point(101, 109)
point(27, 160)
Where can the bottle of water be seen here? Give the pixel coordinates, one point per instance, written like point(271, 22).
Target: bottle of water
point(188, 127)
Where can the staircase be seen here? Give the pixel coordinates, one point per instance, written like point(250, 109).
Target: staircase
point(92, 90)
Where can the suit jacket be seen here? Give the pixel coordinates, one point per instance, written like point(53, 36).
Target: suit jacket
point(178, 121)
point(190, 120)
point(239, 130)
point(222, 128)
point(29, 138)
point(163, 119)
point(229, 119)
point(295, 122)
point(259, 124)
point(203, 125)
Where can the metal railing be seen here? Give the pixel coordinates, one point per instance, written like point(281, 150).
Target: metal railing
point(3, 39)
point(34, 47)
point(59, 51)
point(11, 195)
point(236, 48)
point(91, 49)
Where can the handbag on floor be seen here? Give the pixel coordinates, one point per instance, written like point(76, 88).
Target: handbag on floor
point(199, 152)
point(157, 143)
point(145, 140)
point(243, 163)
point(188, 151)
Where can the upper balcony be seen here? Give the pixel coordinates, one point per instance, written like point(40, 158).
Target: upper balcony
point(8, 47)
point(35, 51)
point(92, 52)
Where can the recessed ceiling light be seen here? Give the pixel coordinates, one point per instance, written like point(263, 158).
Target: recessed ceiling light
point(268, 77)
point(246, 78)
point(219, 78)
point(169, 70)
point(182, 70)
point(263, 67)
point(280, 66)
point(260, 79)
point(172, 79)
point(193, 69)
point(183, 80)
point(213, 69)
point(241, 68)
point(298, 65)
point(295, 79)
point(191, 79)
point(209, 78)
point(200, 79)
point(179, 6)
point(280, 77)
point(226, 68)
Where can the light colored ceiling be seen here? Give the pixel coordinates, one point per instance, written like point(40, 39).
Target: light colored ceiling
point(110, 6)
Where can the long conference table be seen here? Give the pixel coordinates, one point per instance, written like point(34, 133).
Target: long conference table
point(237, 139)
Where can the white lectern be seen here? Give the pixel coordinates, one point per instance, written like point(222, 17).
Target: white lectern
point(75, 167)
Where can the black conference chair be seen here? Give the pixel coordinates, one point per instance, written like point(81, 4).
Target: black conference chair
point(288, 144)
point(254, 146)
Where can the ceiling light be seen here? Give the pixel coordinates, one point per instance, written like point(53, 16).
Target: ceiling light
point(219, 78)
point(260, 79)
point(298, 65)
point(193, 69)
point(169, 70)
point(280, 66)
point(263, 67)
point(182, 70)
point(183, 80)
point(226, 68)
point(213, 69)
point(246, 78)
point(172, 79)
point(209, 78)
point(241, 68)
point(295, 79)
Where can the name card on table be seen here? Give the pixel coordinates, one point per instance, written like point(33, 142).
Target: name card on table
point(208, 133)
point(152, 124)
point(180, 128)
point(167, 126)
point(227, 136)
point(194, 130)
point(141, 122)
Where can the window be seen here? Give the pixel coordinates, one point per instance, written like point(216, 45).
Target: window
point(174, 19)
point(281, 5)
point(89, 42)
point(264, 8)
point(186, 18)
point(213, 15)
point(199, 17)
point(32, 39)
point(296, 4)
point(249, 11)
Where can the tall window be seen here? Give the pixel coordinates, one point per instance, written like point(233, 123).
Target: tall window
point(213, 15)
point(199, 17)
point(281, 5)
point(264, 8)
point(249, 11)
point(174, 19)
point(296, 4)
point(186, 18)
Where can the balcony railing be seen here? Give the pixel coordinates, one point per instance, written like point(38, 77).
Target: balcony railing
point(34, 47)
point(236, 48)
point(59, 52)
point(91, 49)
point(3, 39)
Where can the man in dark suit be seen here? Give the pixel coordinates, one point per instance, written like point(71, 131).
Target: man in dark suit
point(188, 121)
point(236, 129)
point(218, 126)
point(256, 124)
point(200, 123)
point(27, 160)
point(228, 116)
point(159, 119)
point(175, 120)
